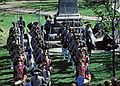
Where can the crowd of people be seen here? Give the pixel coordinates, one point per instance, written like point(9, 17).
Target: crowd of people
point(15, 48)
point(34, 55)
point(78, 50)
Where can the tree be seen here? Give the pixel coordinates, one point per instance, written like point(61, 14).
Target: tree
point(103, 9)
point(107, 10)
point(3, 1)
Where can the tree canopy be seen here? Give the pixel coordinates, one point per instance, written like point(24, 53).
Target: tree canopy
point(3, 1)
point(103, 9)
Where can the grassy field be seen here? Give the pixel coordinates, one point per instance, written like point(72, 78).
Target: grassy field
point(7, 19)
point(51, 5)
point(63, 75)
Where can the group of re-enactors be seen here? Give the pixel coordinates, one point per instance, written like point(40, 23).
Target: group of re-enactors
point(77, 48)
point(35, 55)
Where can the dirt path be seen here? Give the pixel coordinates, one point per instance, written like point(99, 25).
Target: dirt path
point(33, 11)
point(12, 7)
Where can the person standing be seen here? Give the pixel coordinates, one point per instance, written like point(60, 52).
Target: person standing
point(21, 26)
point(21, 23)
point(47, 27)
point(89, 38)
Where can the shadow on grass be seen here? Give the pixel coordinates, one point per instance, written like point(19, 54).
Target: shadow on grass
point(6, 73)
point(63, 75)
point(5, 57)
point(62, 84)
point(63, 65)
point(5, 61)
point(7, 82)
point(3, 47)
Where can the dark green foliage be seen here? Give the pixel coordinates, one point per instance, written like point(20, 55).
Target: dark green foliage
point(103, 9)
point(3, 1)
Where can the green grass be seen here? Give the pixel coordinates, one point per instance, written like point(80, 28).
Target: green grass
point(86, 11)
point(51, 5)
point(93, 22)
point(7, 19)
point(5, 72)
point(100, 68)
point(63, 75)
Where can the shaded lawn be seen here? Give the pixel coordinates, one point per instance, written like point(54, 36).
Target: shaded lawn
point(100, 68)
point(63, 74)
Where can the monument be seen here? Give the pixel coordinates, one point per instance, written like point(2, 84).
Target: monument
point(67, 11)
point(67, 7)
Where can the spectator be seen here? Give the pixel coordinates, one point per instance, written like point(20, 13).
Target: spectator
point(114, 81)
point(90, 39)
point(116, 22)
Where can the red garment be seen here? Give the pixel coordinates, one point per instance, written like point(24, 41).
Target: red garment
point(82, 64)
point(82, 56)
point(20, 72)
point(83, 71)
